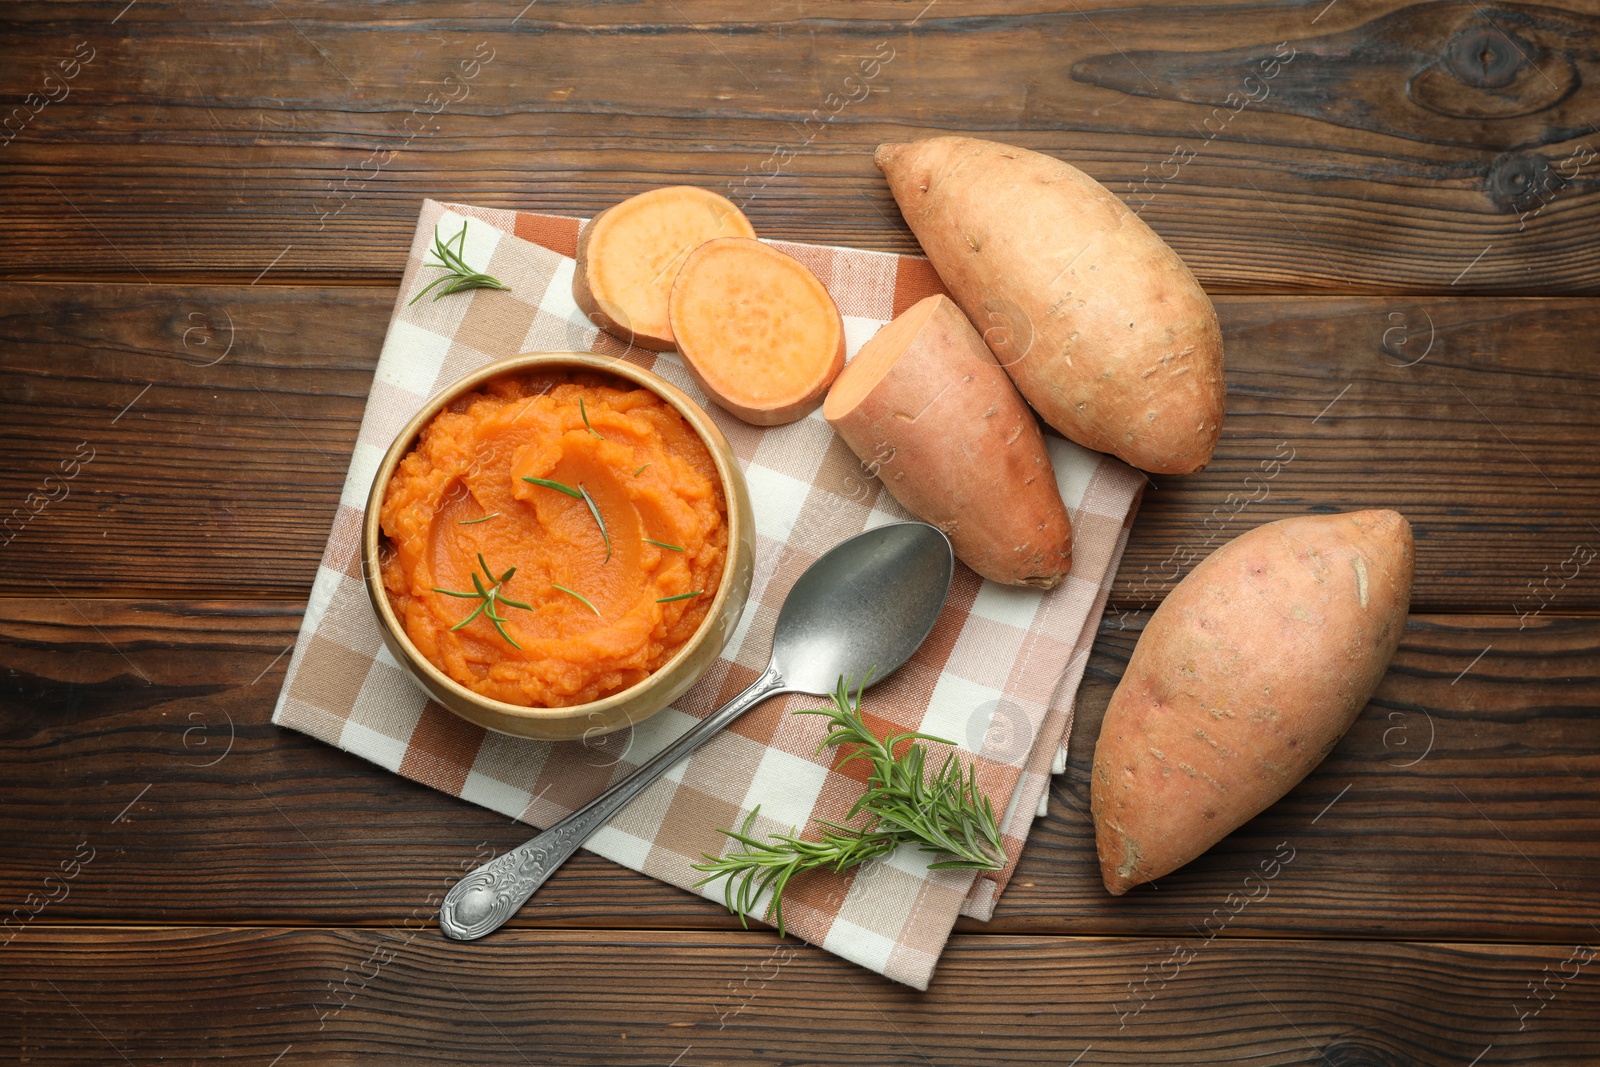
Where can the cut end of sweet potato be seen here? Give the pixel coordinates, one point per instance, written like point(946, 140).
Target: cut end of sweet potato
point(629, 254)
point(757, 330)
point(876, 358)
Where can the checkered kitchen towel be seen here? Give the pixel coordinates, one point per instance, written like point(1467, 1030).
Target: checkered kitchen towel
point(998, 675)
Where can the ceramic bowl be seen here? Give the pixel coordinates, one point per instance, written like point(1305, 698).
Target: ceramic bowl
point(648, 696)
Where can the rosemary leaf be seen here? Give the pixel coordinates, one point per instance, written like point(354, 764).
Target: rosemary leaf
point(640, 471)
point(681, 596)
point(580, 596)
point(497, 620)
point(475, 613)
point(594, 510)
point(559, 487)
point(943, 814)
point(480, 518)
point(582, 494)
point(762, 865)
point(663, 544)
point(584, 411)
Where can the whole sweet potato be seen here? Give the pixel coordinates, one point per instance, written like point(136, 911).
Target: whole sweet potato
point(1245, 678)
point(1104, 329)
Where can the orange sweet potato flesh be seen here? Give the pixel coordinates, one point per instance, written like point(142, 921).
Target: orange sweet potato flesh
point(926, 407)
point(1244, 679)
point(756, 329)
point(1104, 329)
point(629, 254)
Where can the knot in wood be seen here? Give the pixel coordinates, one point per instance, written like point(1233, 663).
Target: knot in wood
point(1350, 1054)
point(1485, 58)
point(1518, 180)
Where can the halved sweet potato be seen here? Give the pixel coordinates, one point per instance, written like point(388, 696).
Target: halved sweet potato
point(926, 406)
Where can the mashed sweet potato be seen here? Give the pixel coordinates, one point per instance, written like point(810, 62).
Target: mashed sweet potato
point(597, 600)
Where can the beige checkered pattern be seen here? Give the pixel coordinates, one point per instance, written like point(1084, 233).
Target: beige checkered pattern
point(997, 676)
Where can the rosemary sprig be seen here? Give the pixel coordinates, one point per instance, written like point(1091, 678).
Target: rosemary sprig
point(459, 276)
point(763, 865)
point(480, 518)
point(945, 814)
point(681, 596)
point(580, 596)
point(584, 411)
point(663, 544)
point(488, 599)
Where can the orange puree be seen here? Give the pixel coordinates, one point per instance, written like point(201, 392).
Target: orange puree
point(470, 462)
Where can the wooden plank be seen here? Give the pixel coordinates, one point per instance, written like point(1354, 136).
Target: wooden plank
point(1278, 147)
point(1449, 411)
point(221, 417)
point(594, 997)
point(211, 418)
point(1465, 802)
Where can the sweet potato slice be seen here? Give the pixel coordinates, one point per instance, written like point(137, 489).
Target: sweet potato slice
point(1244, 679)
point(757, 330)
point(629, 254)
point(926, 406)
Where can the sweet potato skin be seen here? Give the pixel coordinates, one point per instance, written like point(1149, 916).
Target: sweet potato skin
point(1104, 329)
point(954, 442)
point(1245, 678)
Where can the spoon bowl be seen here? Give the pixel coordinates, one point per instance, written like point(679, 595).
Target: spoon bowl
point(859, 612)
point(889, 584)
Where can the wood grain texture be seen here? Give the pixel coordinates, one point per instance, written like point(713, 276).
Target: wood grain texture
point(217, 421)
point(208, 206)
point(1478, 418)
point(1432, 147)
point(184, 995)
point(1465, 802)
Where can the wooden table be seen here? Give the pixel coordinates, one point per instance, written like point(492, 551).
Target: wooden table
point(207, 210)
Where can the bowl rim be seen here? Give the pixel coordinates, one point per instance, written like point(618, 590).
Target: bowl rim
point(710, 435)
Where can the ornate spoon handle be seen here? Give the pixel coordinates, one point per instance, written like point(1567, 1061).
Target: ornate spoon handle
point(483, 900)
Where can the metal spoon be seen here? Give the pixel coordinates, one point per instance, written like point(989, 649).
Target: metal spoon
point(866, 605)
